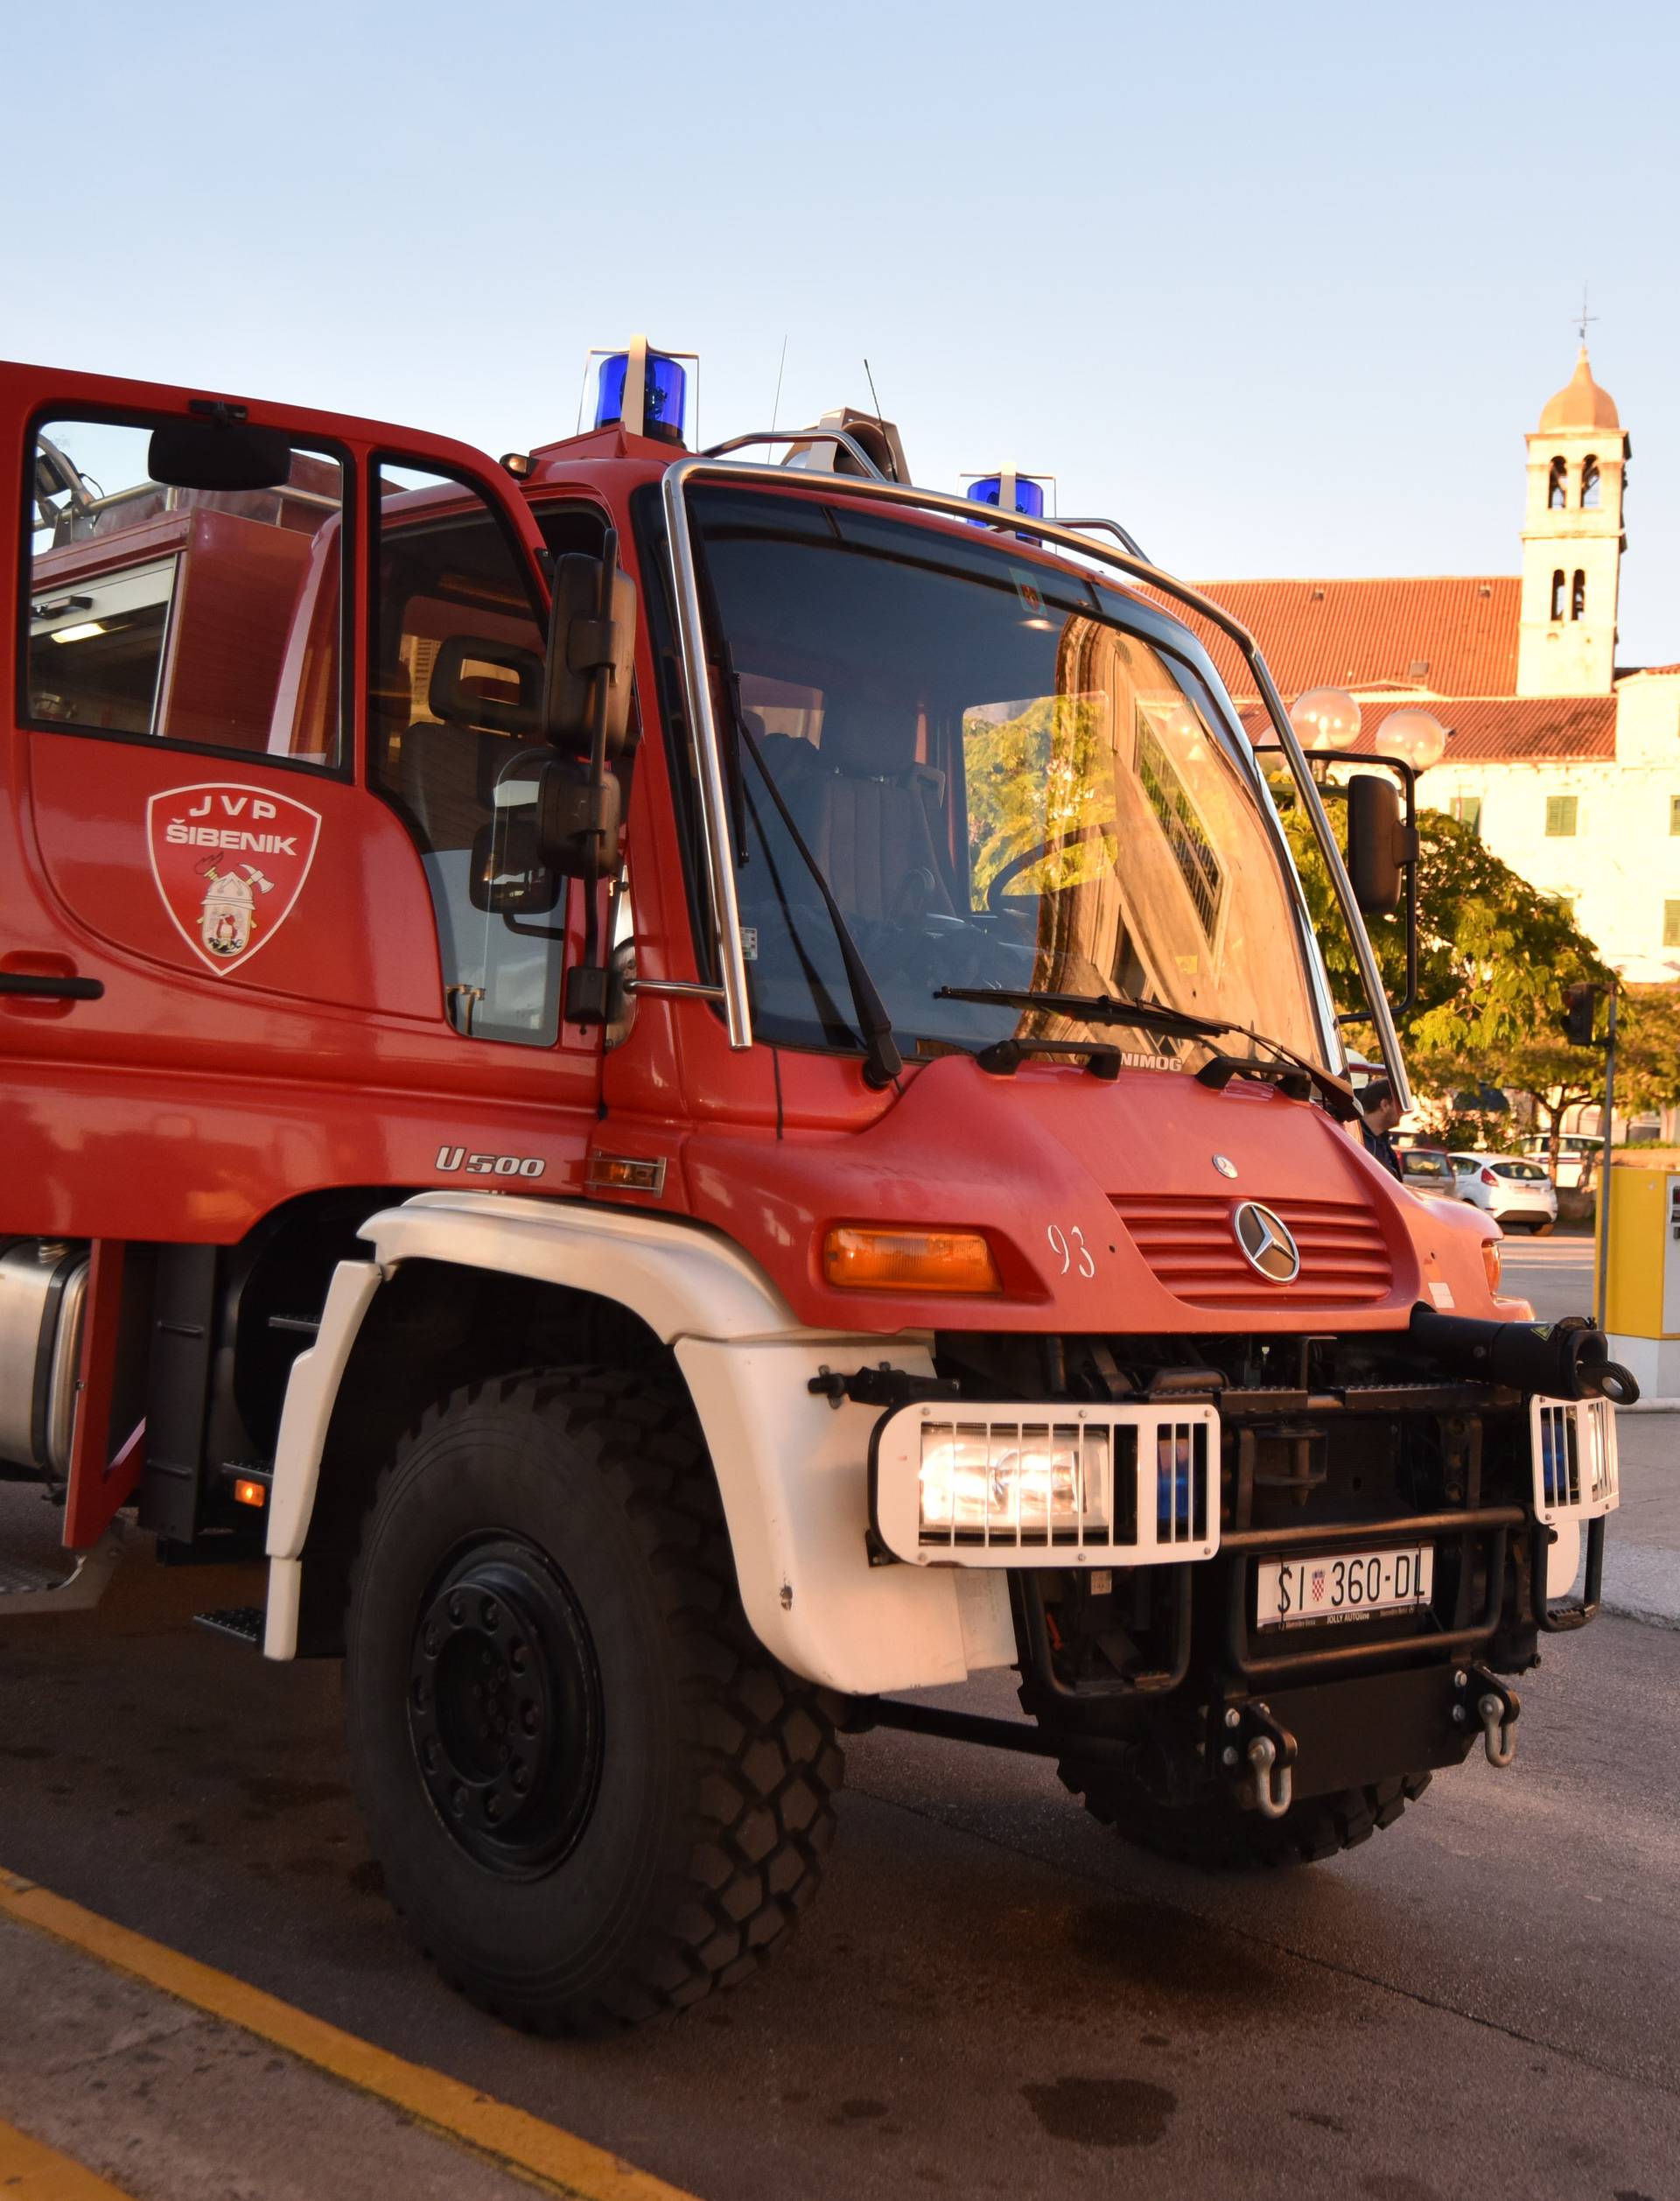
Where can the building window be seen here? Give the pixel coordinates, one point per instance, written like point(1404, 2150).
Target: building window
point(1558, 594)
point(1560, 815)
point(1674, 814)
point(1555, 486)
point(1589, 485)
point(1468, 810)
point(1577, 595)
point(1672, 924)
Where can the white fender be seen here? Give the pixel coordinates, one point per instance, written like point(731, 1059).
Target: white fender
point(792, 1469)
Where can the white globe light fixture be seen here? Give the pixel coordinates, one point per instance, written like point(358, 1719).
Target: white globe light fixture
point(1417, 736)
point(1324, 719)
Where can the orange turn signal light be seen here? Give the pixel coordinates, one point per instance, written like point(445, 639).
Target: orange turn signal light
point(865, 1260)
point(1491, 1259)
point(247, 1493)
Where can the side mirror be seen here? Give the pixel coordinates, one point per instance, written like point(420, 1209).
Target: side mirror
point(219, 454)
point(576, 819)
point(591, 655)
point(1379, 846)
point(509, 877)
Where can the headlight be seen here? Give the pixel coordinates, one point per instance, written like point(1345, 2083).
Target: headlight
point(1037, 1480)
point(1490, 1261)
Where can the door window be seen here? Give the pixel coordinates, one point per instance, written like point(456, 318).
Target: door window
point(456, 744)
point(209, 618)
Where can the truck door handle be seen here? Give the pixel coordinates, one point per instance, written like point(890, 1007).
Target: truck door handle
point(53, 989)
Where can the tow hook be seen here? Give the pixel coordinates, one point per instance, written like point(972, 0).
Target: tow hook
point(1251, 1737)
point(1496, 1707)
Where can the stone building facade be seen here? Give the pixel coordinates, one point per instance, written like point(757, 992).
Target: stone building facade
point(1567, 763)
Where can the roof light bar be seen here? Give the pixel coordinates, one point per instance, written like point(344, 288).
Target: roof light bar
point(644, 390)
point(1008, 491)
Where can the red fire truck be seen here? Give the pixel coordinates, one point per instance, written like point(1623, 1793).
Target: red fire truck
point(698, 1091)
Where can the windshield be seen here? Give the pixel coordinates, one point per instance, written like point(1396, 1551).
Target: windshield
point(1007, 780)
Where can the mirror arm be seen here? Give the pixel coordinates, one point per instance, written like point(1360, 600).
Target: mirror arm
point(1411, 863)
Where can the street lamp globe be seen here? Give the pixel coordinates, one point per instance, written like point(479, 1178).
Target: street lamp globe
point(1417, 736)
point(1324, 719)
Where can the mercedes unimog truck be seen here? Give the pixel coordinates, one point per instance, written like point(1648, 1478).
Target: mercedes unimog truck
point(696, 1091)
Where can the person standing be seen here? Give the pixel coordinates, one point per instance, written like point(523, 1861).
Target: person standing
point(1379, 1113)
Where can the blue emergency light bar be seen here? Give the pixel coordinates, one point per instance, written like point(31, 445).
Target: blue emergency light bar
point(1029, 495)
point(664, 399)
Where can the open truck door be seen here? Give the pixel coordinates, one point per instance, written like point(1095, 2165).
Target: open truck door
point(272, 672)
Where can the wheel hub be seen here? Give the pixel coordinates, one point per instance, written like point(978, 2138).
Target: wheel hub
point(504, 1706)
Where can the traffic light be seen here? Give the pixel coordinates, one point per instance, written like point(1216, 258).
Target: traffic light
point(1580, 1011)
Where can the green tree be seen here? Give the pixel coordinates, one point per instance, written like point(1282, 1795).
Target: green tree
point(1497, 958)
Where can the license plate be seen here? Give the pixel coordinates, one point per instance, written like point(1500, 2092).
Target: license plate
point(1348, 1586)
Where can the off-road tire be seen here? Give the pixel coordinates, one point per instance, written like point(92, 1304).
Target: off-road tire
point(704, 1835)
point(1218, 1835)
point(1542, 1229)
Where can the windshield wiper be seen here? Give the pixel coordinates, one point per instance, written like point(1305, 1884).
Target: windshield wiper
point(1094, 1008)
point(1140, 1012)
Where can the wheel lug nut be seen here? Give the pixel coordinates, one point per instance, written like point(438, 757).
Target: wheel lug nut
point(429, 1756)
point(430, 1641)
point(489, 1612)
point(493, 1807)
point(522, 1777)
point(457, 1799)
point(456, 1612)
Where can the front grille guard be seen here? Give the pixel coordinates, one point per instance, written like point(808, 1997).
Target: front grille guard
point(1467, 1634)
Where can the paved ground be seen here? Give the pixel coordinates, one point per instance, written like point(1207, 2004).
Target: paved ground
point(992, 1996)
point(1554, 1274)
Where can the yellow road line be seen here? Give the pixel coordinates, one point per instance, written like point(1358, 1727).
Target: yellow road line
point(510, 2137)
point(32, 2172)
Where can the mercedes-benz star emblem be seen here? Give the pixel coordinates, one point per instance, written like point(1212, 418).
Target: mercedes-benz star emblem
point(1266, 1244)
point(1225, 1166)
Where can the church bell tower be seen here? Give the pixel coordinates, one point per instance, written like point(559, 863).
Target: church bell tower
point(1572, 541)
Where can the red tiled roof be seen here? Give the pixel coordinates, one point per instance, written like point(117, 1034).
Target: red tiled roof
point(1460, 630)
point(1500, 729)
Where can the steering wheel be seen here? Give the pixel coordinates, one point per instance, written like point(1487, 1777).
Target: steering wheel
point(1030, 856)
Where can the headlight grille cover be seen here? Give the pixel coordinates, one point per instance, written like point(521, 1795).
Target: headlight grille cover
point(1004, 1485)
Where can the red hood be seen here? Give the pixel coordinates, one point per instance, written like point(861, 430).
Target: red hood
point(1124, 1175)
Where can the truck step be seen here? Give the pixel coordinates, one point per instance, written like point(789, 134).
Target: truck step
point(243, 1623)
point(76, 1586)
point(19, 1579)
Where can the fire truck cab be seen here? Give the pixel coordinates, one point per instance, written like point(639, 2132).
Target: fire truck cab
point(696, 1091)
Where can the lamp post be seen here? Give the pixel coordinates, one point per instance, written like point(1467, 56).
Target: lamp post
point(1417, 736)
point(1324, 719)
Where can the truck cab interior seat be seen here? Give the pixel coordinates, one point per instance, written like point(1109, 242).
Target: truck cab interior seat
point(870, 814)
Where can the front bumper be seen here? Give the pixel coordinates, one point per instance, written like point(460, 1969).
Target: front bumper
point(1169, 1488)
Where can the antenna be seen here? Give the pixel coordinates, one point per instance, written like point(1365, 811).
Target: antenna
point(1583, 317)
point(775, 409)
point(873, 399)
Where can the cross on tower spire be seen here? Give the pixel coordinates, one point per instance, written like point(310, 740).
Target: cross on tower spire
point(1583, 318)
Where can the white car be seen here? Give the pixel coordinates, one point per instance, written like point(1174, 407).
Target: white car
point(1516, 1191)
point(1576, 1154)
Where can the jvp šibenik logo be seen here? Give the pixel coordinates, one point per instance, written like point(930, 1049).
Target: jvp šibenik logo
point(230, 862)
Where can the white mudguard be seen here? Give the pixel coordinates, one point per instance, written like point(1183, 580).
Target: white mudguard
point(792, 1468)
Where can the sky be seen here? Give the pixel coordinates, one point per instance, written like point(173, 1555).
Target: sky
point(1279, 287)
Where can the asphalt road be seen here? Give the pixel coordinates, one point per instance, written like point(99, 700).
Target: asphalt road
point(1554, 1274)
point(992, 1995)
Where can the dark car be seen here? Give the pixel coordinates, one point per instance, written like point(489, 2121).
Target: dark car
point(1428, 1170)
